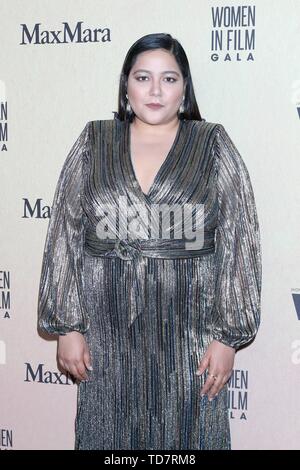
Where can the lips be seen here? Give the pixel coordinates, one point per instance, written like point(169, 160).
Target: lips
point(154, 105)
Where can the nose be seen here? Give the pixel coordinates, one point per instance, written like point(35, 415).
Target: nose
point(155, 88)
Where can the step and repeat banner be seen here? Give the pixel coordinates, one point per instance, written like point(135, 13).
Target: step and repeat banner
point(60, 68)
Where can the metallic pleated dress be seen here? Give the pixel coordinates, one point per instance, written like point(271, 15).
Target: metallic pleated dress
point(149, 304)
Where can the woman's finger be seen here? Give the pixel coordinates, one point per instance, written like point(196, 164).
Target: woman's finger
point(73, 369)
point(62, 364)
point(87, 360)
point(81, 370)
point(216, 387)
point(207, 385)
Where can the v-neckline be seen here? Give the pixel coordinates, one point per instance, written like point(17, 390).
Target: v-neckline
point(162, 166)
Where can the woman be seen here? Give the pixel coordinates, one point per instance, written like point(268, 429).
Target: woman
point(150, 324)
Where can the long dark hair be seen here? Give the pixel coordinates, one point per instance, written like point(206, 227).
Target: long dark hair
point(147, 43)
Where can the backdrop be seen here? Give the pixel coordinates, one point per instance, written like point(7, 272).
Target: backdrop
point(56, 74)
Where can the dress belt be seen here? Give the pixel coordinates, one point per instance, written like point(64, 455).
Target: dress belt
point(135, 250)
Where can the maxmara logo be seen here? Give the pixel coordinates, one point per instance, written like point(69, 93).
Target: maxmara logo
point(41, 375)
point(35, 209)
point(78, 33)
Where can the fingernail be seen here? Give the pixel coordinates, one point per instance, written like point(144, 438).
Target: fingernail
point(90, 368)
point(198, 372)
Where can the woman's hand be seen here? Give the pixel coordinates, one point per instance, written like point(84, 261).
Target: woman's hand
point(219, 360)
point(73, 354)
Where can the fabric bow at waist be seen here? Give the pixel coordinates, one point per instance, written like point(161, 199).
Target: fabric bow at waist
point(135, 250)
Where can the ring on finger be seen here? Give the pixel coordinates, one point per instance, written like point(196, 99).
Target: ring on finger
point(213, 376)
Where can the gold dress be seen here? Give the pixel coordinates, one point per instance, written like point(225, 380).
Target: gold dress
point(149, 307)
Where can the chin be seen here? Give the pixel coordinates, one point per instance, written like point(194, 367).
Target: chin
point(150, 119)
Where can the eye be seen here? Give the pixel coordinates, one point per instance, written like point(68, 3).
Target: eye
point(169, 79)
point(142, 76)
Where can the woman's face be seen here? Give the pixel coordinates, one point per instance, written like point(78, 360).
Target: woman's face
point(155, 78)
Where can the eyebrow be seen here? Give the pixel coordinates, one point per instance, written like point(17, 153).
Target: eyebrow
point(148, 71)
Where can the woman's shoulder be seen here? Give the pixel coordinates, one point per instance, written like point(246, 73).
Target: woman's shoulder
point(205, 123)
point(101, 123)
point(197, 123)
point(205, 127)
point(103, 127)
point(109, 125)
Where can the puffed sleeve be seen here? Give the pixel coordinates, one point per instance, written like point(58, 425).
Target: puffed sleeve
point(61, 306)
point(238, 250)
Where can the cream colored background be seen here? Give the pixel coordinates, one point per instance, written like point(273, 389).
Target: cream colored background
point(53, 90)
